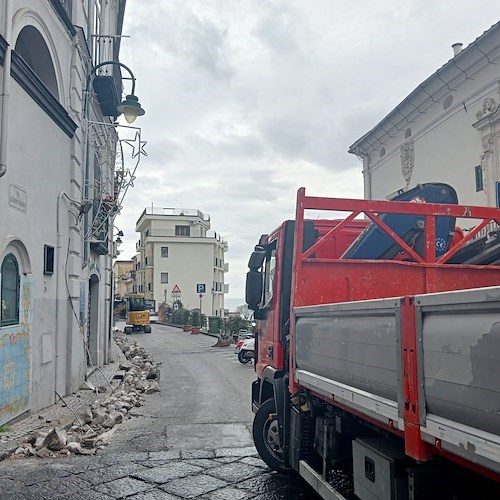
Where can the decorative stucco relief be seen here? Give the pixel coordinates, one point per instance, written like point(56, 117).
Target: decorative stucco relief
point(488, 142)
point(407, 160)
point(489, 107)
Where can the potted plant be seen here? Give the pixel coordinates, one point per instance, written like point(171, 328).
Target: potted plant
point(195, 321)
point(186, 317)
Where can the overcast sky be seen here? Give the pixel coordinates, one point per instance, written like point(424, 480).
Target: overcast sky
point(248, 100)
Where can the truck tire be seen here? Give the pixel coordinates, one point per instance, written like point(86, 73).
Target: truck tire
point(128, 330)
point(242, 357)
point(147, 329)
point(266, 438)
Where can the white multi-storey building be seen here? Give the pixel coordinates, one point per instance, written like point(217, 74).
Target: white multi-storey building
point(61, 87)
point(446, 130)
point(177, 255)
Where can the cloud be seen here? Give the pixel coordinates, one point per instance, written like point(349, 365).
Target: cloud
point(248, 100)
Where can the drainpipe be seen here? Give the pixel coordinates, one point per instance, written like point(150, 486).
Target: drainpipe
point(4, 122)
point(58, 291)
point(368, 176)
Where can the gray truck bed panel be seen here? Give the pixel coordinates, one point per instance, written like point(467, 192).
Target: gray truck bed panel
point(461, 363)
point(358, 345)
point(354, 349)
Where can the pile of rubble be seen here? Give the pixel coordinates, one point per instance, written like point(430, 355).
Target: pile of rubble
point(93, 427)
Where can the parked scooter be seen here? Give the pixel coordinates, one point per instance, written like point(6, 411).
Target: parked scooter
point(245, 349)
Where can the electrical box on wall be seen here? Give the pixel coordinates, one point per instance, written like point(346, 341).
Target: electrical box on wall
point(48, 259)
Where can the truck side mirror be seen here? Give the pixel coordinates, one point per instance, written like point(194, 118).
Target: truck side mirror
point(257, 258)
point(253, 292)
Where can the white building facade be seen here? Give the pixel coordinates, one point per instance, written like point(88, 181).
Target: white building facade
point(55, 173)
point(176, 255)
point(446, 130)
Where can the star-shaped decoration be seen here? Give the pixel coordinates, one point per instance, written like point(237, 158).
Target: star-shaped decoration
point(137, 145)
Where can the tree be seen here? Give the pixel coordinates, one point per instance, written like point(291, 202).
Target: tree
point(186, 316)
point(236, 323)
point(244, 312)
point(195, 317)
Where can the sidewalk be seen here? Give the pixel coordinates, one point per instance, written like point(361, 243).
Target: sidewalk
point(60, 413)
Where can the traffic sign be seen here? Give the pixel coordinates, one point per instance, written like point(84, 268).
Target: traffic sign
point(176, 289)
point(201, 288)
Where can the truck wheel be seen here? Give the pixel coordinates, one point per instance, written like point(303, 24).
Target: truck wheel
point(128, 330)
point(266, 438)
point(242, 358)
point(147, 329)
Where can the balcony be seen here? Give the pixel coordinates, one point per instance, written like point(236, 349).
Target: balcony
point(107, 95)
point(107, 83)
point(226, 288)
point(226, 267)
point(225, 246)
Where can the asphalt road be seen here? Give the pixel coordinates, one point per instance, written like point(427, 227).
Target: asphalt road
point(204, 402)
point(192, 440)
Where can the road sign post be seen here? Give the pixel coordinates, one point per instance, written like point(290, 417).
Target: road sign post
point(201, 290)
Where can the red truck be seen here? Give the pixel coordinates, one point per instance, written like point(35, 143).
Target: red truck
point(378, 348)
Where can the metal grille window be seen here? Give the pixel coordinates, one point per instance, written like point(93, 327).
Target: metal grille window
point(164, 251)
point(164, 277)
point(9, 293)
point(182, 231)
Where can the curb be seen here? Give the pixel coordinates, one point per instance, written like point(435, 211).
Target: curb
point(201, 331)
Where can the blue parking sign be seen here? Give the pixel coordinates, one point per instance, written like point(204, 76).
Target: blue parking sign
point(200, 288)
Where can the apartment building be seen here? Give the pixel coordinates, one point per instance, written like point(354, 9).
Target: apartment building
point(123, 275)
point(180, 258)
point(61, 88)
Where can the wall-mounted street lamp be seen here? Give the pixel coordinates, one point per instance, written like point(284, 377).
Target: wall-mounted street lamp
point(130, 107)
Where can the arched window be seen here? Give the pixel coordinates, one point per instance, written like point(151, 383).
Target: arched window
point(31, 46)
point(9, 293)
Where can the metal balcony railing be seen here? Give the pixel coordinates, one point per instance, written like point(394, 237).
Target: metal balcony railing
point(176, 212)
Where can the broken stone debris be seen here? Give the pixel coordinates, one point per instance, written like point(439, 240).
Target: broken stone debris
point(95, 425)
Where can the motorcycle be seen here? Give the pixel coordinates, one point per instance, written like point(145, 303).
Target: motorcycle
point(245, 349)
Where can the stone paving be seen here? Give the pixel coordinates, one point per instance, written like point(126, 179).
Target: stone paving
point(61, 412)
point(206, 474)
point(220, 474)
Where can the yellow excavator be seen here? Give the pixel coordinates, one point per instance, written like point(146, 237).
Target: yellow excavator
point(137, 314)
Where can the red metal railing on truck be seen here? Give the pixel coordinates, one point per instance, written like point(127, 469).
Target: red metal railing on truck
point(328, 280)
